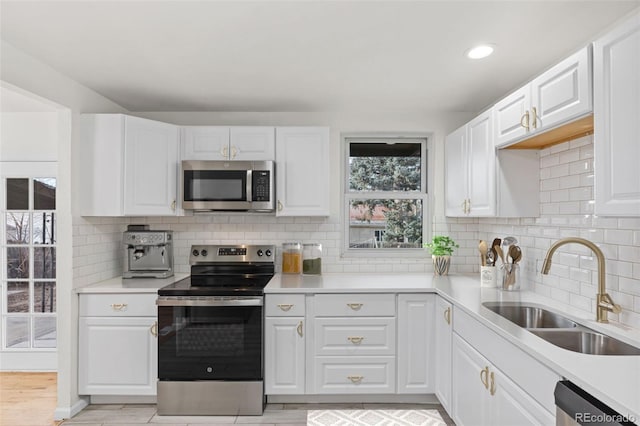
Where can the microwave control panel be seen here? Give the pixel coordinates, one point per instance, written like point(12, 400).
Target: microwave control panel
point(261, 185)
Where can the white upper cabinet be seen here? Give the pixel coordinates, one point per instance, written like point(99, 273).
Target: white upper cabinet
point(128, 166)
point(558, 96)
point(470, 169)
point(480, 182)
point(250, 143)
point(302, 171)
point(616, 115)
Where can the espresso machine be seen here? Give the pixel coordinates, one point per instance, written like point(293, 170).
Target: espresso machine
point(149, 254)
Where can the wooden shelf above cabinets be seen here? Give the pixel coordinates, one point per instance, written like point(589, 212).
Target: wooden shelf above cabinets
point(563, 133)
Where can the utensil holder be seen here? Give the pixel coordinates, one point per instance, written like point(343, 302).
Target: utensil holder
point(488, 276)
point(510, 276)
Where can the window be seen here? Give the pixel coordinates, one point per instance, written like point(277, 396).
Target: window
point(29, 278)
point(385, 197)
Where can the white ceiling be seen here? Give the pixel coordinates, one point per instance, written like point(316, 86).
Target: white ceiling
point(302, 55)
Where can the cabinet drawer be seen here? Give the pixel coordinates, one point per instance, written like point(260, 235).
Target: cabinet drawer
point(355, 336)
point(284, 305)
point(336, 375)
point(118, 305)
point(355, 305)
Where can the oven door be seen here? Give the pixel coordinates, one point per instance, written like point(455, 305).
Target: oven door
point(216, 185)
point(210, 338)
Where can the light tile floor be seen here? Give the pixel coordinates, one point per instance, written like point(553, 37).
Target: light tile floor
point(274, 414)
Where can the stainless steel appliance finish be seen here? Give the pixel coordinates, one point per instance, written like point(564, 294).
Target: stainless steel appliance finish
point(210, 333)
point(148, 254)
point(227, 185)
point(203, 398)
point(574, 406)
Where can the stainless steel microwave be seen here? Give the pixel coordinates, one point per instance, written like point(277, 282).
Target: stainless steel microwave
point(227, 185)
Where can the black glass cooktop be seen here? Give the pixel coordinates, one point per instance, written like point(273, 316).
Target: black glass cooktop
point(220, 285)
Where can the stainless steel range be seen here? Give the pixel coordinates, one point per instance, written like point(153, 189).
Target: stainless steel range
point(210, 333)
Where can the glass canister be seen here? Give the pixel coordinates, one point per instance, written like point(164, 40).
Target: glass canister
point(291, 258)
point(312, 259)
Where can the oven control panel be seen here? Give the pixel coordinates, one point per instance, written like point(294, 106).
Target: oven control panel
point(202, 254)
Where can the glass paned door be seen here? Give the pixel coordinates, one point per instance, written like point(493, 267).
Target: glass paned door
point(28, 290)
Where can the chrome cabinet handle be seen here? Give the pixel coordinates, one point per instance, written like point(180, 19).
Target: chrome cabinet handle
point(355, 340)
point(154, 329)
point(355, 379)
point(484, 373)
point(524, 120)
point(534, 117)
point(355, 306)
point(280, 206)
point(119, 306)
point(492, 387)
point(299, 329)
point(285, 307)
point(447, 315)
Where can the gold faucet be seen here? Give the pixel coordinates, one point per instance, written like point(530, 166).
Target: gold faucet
point(604, 303)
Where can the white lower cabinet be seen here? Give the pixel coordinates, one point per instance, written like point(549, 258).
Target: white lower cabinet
point(415, 343)
point(118, 350)
point(483, 395)
point(359, 375)
point(284, 356)
point(442, 347)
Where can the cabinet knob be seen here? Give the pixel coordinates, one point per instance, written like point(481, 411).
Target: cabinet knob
point(285, 307)
point(154, 329)
point(119, 306)
point(355, 306)
point(355, 340)
point(355, 379)
point(484, 373)
point(524, 120)
point(299, 329)
point(447, 315)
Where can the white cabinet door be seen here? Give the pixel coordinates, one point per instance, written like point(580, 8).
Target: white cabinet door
point(456, 173)
point(253, 143)
point(443, 331)
point(416, 343)
point(151, 164)
point(470, 169)
point(302, 171)
point(470, 399)
point(509, 114)
point(117, 356)
point(510, 405)
point(482, 166)
point(284, 356)
point(616, 114)
point(205, 143)
point(563, 92)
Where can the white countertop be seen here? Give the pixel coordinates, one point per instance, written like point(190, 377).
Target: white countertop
point(130, 285)
point(615, 380)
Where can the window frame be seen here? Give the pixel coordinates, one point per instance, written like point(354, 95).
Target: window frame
point(425, 193)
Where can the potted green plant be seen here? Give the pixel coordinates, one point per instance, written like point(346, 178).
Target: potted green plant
point(441, 248)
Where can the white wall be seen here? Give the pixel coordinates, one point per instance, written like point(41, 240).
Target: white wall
point(29, 136)
point(23, 71)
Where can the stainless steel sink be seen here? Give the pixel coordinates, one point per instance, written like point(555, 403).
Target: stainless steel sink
point(586, 342)
point(560, 331)
point(529, 316)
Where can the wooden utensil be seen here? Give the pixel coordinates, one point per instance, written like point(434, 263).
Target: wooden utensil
point(500, 253)
point(515, 254)
point(482, 248)
point(496, 242)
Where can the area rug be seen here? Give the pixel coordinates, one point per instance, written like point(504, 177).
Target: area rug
point(374, 418)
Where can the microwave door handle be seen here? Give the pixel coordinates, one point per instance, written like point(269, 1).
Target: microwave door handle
point(249, 185)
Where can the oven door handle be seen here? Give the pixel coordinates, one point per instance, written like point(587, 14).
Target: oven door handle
point(245, 301)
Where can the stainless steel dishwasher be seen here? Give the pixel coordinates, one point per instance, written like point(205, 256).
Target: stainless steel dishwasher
point(574, 406)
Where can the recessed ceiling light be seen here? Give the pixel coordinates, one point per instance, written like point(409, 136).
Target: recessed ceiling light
point(479, 52)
